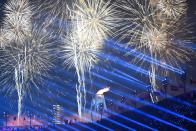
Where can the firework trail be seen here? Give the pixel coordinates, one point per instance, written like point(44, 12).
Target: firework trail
point(82, 56)
point(148, 33)
point(19, 81)
point(93, 21)
point(139, 19)
point(27, 55)
point(17, 25)
point(25, 64)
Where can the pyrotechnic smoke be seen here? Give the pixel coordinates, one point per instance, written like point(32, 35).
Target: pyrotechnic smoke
point(93, 21)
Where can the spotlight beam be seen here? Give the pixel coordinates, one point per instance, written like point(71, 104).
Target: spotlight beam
point(126, 64)
point(92, 94)
point(154, 106)
point(133, 52)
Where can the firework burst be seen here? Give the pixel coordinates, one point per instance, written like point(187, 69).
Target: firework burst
point(82, 56)
point(147, 33)
point(135, 15)
point(24, 64)
point(166, 41)
point(17, 25)
point(18, 19)
point(96, 20)
point(173, 9)
point(93, 21)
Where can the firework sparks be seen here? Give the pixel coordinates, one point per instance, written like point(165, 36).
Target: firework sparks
point(135, 15)
point(172, 8)
point(19, 81)
point(18, 19)
point(24, 64)
point(96, 19)
point(82, 56)
point(93, 21)
point(17, 24)
point(54, 14)
point(3, 37)
point(148, 33)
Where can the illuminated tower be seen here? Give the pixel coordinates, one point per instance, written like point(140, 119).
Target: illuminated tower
point(57, 114)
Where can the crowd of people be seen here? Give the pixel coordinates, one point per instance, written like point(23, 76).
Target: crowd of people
point(25, 128)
